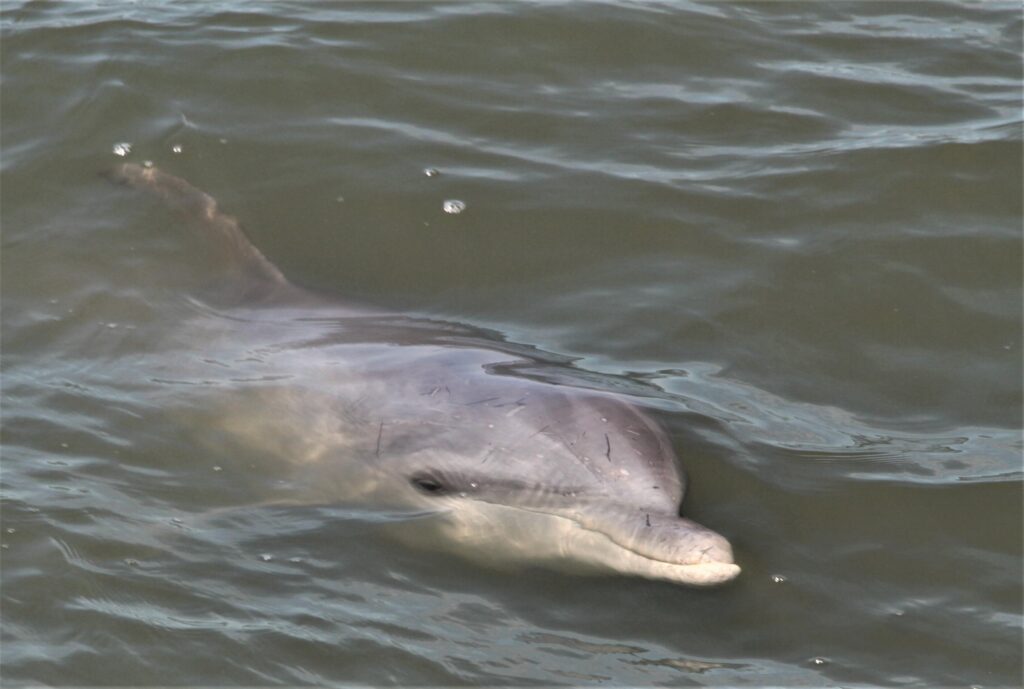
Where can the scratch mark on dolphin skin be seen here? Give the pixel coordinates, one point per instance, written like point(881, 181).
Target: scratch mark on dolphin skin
point(607, 447)
point(541, 430)
point(515, 410)
point(486, 399)
point(519, 402)
point(648, 519)
point(438, 388)
point(380, 432)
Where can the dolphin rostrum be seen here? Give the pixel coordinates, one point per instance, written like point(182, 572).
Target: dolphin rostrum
point(363, 406)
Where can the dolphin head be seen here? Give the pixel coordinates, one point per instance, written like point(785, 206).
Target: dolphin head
point(502, 521)
point(573, 481)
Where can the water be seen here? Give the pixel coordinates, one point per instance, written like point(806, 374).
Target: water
point(793, 228)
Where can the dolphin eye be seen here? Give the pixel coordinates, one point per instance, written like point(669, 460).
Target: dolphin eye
point(427, 484)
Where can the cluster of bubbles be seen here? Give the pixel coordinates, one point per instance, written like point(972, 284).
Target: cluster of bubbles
point(123, 148)
point(450, 206)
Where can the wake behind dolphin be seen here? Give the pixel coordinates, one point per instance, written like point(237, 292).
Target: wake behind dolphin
point(368, 407)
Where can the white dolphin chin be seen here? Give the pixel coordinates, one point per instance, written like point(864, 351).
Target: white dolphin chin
point(507, 537)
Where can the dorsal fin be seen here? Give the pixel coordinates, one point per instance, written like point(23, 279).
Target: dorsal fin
point(240, 258)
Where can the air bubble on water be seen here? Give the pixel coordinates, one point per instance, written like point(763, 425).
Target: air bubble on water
point(266, 557)
point(4, 546)
point(462, 494)
point(295, 559)
point(223, 141)
point(454, 206)
point(217, 468)
point(819, 660)
point(122, 149)
point(431, 172)
point(64, 445)
point(131, 562)
point(778, 579)
point(111, 325)
point(176, 148)
point(10, 530)
point(340, 199)
point(473, 484)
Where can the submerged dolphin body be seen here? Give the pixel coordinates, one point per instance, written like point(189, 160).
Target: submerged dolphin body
point(368, 407)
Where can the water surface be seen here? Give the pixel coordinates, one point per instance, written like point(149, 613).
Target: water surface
point(792, 229)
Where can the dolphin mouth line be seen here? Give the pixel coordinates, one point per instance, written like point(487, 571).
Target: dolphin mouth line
point(637, 553)
point(707, 573)
point(612, 556)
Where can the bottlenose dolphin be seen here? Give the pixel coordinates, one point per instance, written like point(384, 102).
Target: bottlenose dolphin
point(366, 406)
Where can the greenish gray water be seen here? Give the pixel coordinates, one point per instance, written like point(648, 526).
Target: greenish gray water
point(794, 229)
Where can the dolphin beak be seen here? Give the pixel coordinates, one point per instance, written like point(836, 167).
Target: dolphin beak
point(600, 539)
point(664, 546)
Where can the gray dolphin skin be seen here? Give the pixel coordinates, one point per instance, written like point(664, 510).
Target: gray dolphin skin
point(361, 406)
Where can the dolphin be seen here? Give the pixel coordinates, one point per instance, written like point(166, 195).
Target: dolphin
point(362, 406)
